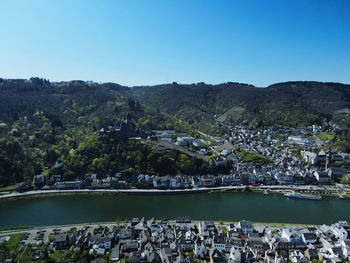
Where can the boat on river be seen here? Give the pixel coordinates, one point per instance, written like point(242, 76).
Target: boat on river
point(302, 196)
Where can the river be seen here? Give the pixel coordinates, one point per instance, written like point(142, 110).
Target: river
point(80, 208)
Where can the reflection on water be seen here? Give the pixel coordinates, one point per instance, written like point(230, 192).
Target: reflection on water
point(220, 206)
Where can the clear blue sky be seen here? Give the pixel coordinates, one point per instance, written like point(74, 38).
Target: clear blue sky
point(151, 42)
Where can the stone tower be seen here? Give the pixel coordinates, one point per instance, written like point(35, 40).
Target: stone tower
point(328, 159)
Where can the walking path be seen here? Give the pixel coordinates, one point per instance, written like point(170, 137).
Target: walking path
point(272, 188)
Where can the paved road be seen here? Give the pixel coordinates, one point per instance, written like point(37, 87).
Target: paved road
point(272, 188)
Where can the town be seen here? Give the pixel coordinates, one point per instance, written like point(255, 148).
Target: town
point(285, 156)
point(182, 240)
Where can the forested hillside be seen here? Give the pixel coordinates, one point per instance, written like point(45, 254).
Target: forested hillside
point(290, 103)
point(43, 122)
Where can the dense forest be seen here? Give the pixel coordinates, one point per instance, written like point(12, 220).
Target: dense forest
point(42, 122)
point(290, 103)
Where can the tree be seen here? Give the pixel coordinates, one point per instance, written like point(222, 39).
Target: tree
point(345, 179)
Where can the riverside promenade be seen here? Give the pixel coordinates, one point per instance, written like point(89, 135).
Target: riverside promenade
point(270, 188)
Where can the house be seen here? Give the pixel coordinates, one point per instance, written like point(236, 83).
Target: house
point(309, 157)
point(235, 255)
point(134, 221)
point(345, 245)
point(130, 246)
point(181, 142)
point(200, 249)
point(207, 181)
point(104, 242)
point(39, 180)
point(206, 226)
point(203, 152)
point(186, 244)
point(124, 233)
point(284, 178)
point(336, 174)
point(322, 177)
point(230, 180)
point(55, 178)
point(166, 255)
point(309, 238)
point(165, 135)
point(339, 231)
point(311, 254)
point(183, 222)
point(199, 143)
point(218, 257)
point(291, 236)
point(68, 185)
point(219, 243)
point(245, 227)
point(296, 256)
point(218, 161)
point(256, 245)
point(300, 140)
point(60, 241)
point(136, 257)
point(196, 181)
point(100, 252)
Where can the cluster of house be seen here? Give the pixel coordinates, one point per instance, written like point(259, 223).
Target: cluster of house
point(185, 241)
point(285, 171)
point(90, 181)
point(285, 168)
point(181, 139)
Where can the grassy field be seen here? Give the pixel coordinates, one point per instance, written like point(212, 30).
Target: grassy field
point(58, 255)
point(8, 188)
point(14, 241)
point(223, 229)
point(28, 256)
point(325, 136)
point(255, 158)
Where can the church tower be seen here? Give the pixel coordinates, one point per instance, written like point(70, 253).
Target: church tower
point(328, 159)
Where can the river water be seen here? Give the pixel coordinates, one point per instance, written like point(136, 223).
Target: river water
point(256, 207)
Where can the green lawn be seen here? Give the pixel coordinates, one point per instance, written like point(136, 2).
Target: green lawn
point(255, 158)
point(223, 229)
point(28, 256)
point(58, 255)
point(14, 241)
point(8, 188)
point(325, 136)
point(45, 172)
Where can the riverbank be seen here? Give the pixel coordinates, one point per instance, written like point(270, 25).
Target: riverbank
point(48, 193)
point(65, 227)
point(329, 191)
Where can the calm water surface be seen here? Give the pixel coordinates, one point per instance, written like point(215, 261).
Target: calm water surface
point(221, 206)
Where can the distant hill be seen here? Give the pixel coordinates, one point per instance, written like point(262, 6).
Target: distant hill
point(42, 122)
point(289, 103)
